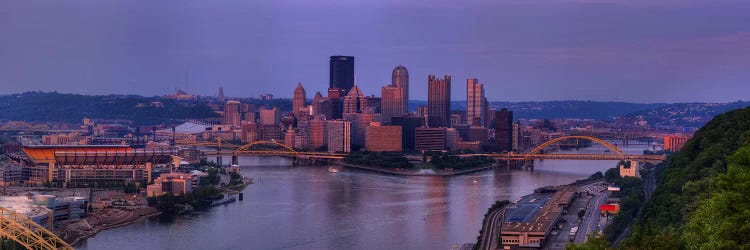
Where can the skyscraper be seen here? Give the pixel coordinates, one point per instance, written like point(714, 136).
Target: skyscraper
point(221, 93)
point(342, 72)
point(391, 103)
point(298, 103)
point(316, 103)
point(354, 102)
point(504, 130)
point(438, 101)
point(339, 136)
point(400, 78)
point(475, 102)
point(232, 113)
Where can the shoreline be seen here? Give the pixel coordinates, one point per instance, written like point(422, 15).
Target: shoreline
point(96, 229)
point(134, 218)
point(412, 173)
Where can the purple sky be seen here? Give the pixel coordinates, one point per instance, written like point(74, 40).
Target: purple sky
point(625, 50)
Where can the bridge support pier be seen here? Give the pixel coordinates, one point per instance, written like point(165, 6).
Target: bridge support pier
point(529, 165)
point(218, 161)
point(235, 160)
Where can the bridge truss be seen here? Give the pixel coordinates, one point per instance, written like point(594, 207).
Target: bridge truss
point(26, 232)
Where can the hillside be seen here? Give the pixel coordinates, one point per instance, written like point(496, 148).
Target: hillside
point(685, 114)
point(57, 107)
point(702, 199)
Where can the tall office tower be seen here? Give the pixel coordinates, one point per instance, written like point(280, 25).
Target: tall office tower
point(232, 113)
point(289, 137)
point(221, 93)
point(339, 136)
point(317, 135)
point(475, 102)
point(438, 101)
point(400, 78)
point(316, 103)
point(360, 122)
point(504, 130)
point(372, 104)
point(298, 103)
point(392, 103)
point(354, 101)
point(270, 116)
point(336, 102)
point(342, 72)
point(517, 136)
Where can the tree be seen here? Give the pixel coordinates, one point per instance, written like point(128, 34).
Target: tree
point(595, 242)
point(581, 213)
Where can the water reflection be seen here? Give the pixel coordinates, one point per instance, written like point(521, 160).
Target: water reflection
point(309, 208)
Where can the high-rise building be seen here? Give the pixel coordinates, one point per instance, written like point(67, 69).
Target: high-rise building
point(270, 116)
point(342, 72)
point(336, 103)
point(384, 138)
point(392, 104)
point(400, 78)
point(354, 101)
point(475, 102)
point(289, 137)
point(316, 103)
point(504, 130)
point(517, 137)
point(451, 139)
point(317, 136)
point(408, 126)
point(339, 136)
point(298, 103)
point(249, 132)
point(269, 132)
point(422, 113)
point(372, 104)
point(221, 94)
point(232, 113)
point(360, 122)
point(438, 101)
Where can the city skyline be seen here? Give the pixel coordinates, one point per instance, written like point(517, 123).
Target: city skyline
point(634, 51)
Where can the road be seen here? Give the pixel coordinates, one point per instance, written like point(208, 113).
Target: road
point(491, 228)
point(591, 219)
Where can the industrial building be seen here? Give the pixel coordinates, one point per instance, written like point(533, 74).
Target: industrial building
point(528, 223)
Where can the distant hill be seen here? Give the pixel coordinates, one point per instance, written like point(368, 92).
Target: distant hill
point(685, 114)
point(58, 107)
point(72, 108)
point(560, 109)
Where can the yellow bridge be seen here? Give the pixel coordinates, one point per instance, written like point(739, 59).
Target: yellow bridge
point(274, 148)
point(21, 229)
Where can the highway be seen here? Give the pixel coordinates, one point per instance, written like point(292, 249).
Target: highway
point(491, 230)
point(591, 219)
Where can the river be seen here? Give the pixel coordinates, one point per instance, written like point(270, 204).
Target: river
point(306, 207)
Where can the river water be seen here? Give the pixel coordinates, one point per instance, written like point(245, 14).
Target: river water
point(306, 207)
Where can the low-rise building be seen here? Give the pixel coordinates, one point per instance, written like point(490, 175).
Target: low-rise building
point(175, 183)
point(384, 138)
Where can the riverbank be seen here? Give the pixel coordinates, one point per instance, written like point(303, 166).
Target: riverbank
point(76, 231)
point(420, 172)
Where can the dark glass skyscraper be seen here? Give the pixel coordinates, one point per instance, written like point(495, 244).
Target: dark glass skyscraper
point(439, 101)
point(342, 72)
point(504, 130)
